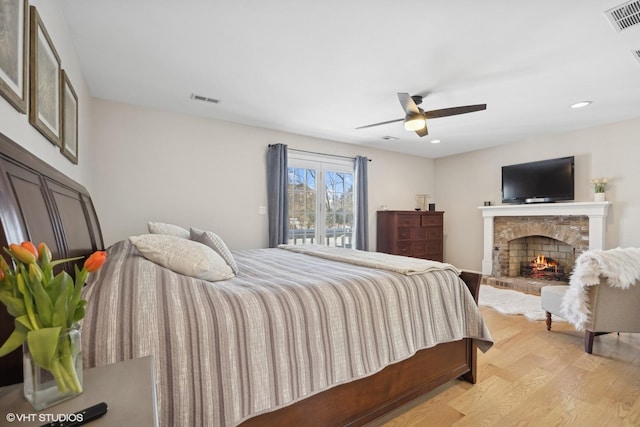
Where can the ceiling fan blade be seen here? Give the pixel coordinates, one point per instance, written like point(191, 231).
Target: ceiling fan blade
point(408, 105)
point(381, 123)
point(423, 132)
point(434, 114)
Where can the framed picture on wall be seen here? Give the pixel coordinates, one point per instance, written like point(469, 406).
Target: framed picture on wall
point(44, 82)
point(14, 25)
point(69, 119)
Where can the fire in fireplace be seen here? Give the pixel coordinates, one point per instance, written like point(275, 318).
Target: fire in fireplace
point(543, 268)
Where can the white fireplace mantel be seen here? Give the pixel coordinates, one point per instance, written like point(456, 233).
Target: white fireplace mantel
point(596, 211)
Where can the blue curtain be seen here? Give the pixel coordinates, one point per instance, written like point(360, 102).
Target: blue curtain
point(277, 194)
point(361, 225)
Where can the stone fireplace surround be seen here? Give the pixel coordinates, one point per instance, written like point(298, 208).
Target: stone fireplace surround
point(520, 239)
point(581, 225)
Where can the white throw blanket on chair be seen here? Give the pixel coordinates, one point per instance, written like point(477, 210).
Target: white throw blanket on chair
point(621, 268)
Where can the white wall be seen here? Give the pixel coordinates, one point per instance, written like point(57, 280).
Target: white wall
point(155, 165)
point(142, 164)
point(16, 125)
point(464, 181)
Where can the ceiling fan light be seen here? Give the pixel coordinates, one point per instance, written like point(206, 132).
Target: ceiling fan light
point(414, 122)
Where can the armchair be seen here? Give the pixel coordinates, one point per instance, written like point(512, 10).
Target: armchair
point(602, 296)
point(612, 309)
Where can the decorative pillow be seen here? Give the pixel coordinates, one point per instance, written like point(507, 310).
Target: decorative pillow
point(183, 256)
point(167, 229)
point(216, 243)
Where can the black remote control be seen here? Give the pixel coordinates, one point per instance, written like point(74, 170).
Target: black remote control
point(81, 417)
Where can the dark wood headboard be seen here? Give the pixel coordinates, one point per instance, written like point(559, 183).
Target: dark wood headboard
point(40, 204)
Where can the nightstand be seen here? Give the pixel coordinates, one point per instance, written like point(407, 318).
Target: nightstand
point(128, 388)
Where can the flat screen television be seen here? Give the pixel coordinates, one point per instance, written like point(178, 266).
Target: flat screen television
point(544, 181)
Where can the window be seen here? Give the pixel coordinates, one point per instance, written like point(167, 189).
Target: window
point(321, 209)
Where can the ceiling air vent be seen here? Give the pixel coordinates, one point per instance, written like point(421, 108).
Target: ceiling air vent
point(636, 54)
point(204, 99)
point(626, 15)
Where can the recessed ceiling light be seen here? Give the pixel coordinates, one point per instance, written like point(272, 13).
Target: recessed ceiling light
point(389, 138)
point(580, 104)
point(435, 141)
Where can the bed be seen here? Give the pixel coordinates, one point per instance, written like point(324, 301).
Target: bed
point(292, 339)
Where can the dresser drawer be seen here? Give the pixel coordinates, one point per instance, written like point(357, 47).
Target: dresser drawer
point(408, 220)
point(433, 233)
point(433, 250)
point(430, 220)
point(411, 249)
point(418, 233)
point(419, 249)
point(404, 233)
point(435, 257)
point(403, 249)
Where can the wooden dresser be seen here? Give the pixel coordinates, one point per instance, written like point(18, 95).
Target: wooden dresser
point(411, 233)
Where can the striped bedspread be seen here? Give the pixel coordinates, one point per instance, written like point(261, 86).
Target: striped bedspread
point(379, 260)
point(288, 326)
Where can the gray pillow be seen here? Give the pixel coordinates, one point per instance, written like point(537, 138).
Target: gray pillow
point(168, 229)
point(216, 243)
point(183, 256)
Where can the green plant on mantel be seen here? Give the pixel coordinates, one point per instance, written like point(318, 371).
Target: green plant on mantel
point(599, 184)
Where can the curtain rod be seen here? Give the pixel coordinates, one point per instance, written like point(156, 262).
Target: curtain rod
point(321, 154)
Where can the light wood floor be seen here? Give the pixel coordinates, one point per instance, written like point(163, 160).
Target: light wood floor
point(531, 377)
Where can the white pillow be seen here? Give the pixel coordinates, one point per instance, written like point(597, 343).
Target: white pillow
point(183, 256)
point(216, 243)
point(168, 229)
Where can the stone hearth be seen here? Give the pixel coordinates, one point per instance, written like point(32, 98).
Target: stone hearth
point(527, 286)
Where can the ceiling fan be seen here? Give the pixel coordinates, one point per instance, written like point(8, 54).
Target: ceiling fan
point(416, 118)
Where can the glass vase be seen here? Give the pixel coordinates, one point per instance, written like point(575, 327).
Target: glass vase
point(44, 388)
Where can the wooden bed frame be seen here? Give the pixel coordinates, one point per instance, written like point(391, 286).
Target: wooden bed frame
point(39, 203)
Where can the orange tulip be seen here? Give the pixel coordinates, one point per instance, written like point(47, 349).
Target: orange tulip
point(95, 261)
point(1, 275)
point(30, 247)
point(22, 254)
point(4, 267)
point(44, 252)
point(35, 273)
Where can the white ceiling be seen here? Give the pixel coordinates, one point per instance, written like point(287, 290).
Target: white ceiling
point(323, 68)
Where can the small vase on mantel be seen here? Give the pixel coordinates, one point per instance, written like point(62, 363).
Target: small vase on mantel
point(599, 197)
